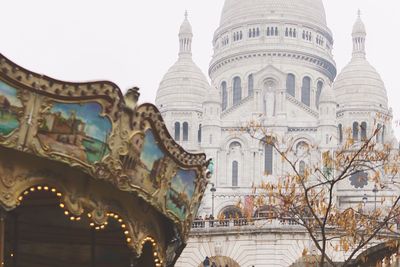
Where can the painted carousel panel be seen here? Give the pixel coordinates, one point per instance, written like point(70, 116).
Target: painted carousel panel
point(10, 106)
point(180, 194)
point(146, 163)
point(77, 130)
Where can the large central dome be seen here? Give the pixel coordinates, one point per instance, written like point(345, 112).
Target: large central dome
point(291, 31)
point(311, 11)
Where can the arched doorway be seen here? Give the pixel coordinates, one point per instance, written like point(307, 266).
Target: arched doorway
point(41, 232)
point(222, 261)
point(231, 212)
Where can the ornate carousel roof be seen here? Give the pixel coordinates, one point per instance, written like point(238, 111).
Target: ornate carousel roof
point(103, 156)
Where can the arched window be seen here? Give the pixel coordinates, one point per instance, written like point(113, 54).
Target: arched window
point(250, 84)
point(276, 31)
point(302, 149)
point(235, 173)
point(235, 145)
point(268, 159)
point(224, 96)
point(185, 129)
point(383, 133)
point(320, 85)
point(340, 130)
point(355, 131)
point(302, 168)
point(291, 84)
point(268, 32)
point(177, 131)
point(363, 130)
point(306, 91)
point(199, 134)
point(237, 90)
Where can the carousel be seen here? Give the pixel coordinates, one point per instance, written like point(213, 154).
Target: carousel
point(88, 178)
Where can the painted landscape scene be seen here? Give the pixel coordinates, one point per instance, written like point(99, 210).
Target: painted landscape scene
point(77, 130)
point(10, 106)
point(181, 192)
point(153, 160)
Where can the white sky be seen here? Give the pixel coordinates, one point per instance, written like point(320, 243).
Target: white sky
point(134, 42)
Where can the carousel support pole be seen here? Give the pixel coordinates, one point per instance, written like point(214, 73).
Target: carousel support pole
point(16, 237)
point(2, 233)
point(93, 248)
point(134, 261)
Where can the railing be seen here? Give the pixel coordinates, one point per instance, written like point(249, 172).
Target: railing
point(199, 224)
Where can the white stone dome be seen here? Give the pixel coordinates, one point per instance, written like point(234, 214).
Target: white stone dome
point(359, 84)
point(184, 85)
point(298, 10)
point(293, 32)
point(213, 96)
point(327, 95)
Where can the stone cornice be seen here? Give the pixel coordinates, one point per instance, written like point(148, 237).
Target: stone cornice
point(235, 107)
point(302, 106)
point(302, 129)
point(363, 112)
point(319, 62)
point(325, 31)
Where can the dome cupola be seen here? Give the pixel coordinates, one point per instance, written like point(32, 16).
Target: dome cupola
point(185, 37)
point(359, 34)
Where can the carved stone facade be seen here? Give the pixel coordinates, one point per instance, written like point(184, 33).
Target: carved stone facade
point(272, 65)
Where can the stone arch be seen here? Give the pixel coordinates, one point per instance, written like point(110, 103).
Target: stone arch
point(279, 78)
point(230, 139)
point(303, 138)
point(376, 254)
point(230, 211)
point(222, 261)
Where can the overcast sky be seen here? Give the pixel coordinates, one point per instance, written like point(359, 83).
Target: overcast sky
point(134, 42)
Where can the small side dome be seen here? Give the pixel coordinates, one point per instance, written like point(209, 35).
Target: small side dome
point(359, 84)
point(327, 95)
point(213, 96)
point(184, 85)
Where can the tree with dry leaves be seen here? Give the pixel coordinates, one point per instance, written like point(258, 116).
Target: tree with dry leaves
point(307, 193)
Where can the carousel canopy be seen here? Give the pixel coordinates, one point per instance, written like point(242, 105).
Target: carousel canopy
point(102, 156)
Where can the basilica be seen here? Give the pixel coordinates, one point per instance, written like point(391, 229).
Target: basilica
point(273, 64)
